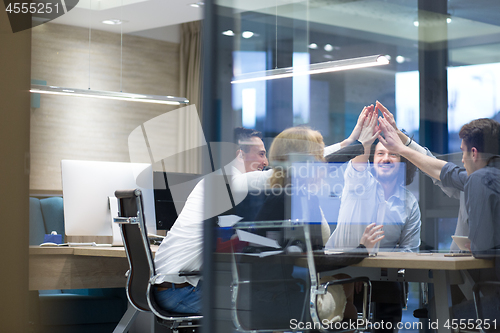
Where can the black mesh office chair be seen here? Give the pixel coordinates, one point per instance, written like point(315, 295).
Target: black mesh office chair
point(142, 272)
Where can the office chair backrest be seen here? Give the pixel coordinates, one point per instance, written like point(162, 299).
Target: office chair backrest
point(136, 244)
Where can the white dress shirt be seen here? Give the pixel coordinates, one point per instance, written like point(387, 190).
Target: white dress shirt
point(363, 202)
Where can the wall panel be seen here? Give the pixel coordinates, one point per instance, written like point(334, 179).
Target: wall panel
point(94, 129)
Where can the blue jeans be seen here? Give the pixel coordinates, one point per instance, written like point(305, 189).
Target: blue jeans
point(181, 300)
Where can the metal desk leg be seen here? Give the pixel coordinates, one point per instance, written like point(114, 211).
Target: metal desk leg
point(127, 320)
point(466, 287)
point(442, 299)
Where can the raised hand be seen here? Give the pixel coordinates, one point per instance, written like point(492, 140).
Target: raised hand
point(391, 141)
point(387, 115)
point(357, 129)
point(369, 130)
point(390, 119)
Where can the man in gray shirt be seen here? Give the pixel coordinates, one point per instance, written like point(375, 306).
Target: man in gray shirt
point(479, 178)
point(479, 181)
point(462, 228)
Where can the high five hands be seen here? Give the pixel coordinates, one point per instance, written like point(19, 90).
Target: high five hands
point(368, 129)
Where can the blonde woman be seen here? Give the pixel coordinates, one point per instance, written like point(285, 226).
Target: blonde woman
point(300, 144)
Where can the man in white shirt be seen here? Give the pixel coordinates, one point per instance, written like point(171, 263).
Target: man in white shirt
point(376, 193)
point(182, 248)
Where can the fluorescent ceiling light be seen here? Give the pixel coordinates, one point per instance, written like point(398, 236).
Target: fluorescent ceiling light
point(112, 22)
point(157, 99)
point(323, 67)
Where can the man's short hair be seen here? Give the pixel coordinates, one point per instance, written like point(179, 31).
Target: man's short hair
point(243, 136)
point(483, 134)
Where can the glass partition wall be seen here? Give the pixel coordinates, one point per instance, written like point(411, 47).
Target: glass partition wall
point(443, 65)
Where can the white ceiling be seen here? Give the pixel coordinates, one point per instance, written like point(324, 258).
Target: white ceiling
point(158, 19)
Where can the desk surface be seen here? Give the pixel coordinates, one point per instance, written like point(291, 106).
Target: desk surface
point(76, 268)
point(95, 251)
point(424, 261)
point(105, 267)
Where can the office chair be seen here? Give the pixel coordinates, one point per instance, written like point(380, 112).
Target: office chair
point(267, 291)
point(487, 303)
point(317, 289)
point(142, 272)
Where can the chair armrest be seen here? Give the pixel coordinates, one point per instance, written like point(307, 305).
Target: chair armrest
point(323, 287)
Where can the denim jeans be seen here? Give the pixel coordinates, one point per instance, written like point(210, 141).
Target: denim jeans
point(181, 300)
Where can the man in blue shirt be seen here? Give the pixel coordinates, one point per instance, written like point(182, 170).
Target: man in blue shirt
point(479, 179)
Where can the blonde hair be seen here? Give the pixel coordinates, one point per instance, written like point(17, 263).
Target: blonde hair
point(294, 140)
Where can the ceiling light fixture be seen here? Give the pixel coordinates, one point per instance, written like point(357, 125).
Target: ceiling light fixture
point(114, 95)
point(400, 59)
point(416, 23)
point(247, 34)
point(156, 99)
point(197, 4)
point(323, 67)
point(228, 33)
point(112, 22)
point(328, 48)
point(313, 46)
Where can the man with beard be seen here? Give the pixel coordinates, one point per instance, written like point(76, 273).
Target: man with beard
point(376, 193)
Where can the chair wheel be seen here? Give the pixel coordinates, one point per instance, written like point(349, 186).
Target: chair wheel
point(421, 313)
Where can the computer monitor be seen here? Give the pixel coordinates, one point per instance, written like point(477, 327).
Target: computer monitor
point(87, 185)
point(168, 206)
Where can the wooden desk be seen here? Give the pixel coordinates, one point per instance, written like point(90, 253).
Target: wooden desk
point(77, 267)
point(430, 268)
point(412, 260)
point(105, 267)
point(81, 268)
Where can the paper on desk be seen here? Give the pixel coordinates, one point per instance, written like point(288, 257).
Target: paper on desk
point(263, 254)
point(245, 236)
point(228, 220)
point(333, 251)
